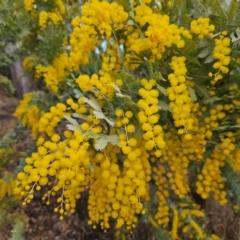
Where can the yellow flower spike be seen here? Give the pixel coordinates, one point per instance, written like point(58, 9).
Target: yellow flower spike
point(174, 230)
point(197, 229)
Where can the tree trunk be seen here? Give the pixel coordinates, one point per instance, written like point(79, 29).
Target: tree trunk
point(21, 83)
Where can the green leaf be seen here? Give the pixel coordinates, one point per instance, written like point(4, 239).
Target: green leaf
point(81, 116)
point(189, 47)
point(100, 144)
point(158, 76)
point(73, 127)
point(103, 141)
point(211, 100)
point(209, 59)
point(7, 84)
point(17, 233)
point(149, 67)
point(220, 128)
point(77, 93)
point(114, 74)
point(164, 106)
point(203, 43)
point(235, 126)
point(93, 135)
point(5, 142)
point(204, 53)
point(178, 12)
point(192, 94)
point(201, 90)
point(72, 121)
point(162, 90)
point(227, 97)
point(112, 41)
point(101, 115)
point(207, 46)
point(94, 104)
point(91, 167)
point(130, 22)
point(113, 139)
point(222, 8)
point(192, 59)
point(235, 37)
point(119, 93)
point(125, 4)
point(231, 11)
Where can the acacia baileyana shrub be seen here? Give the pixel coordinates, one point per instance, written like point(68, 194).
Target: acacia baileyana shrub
point(149, 94)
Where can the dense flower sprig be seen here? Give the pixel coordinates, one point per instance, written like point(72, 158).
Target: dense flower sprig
point(221, 54)
point(29, 114)
point(179, 96)
point(202, 27)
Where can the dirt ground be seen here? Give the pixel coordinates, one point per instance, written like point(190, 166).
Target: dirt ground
point(7, 107)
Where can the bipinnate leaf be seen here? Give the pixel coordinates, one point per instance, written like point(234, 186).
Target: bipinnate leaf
point(101, 115)
point(94, 104)
point(72, 121)
point(103, 141)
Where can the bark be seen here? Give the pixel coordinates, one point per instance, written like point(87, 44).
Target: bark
point(21, 83)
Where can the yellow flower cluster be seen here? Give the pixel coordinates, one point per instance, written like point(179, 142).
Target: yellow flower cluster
point(43, 17)
point(56, 18)
point(148, 116)
point(184, 220)
point(227, 146)
point(28, 63)
point(221, 53)
point(215, 237)
point(136, 177)
point(55, 13)
point(132, 35)
point(28, 5)
point(49, 120)
point(162, 215)
point(234, 160)
point(175, 154)
point(181, 103)
point(103, 83)
point(136, 172)
point(196, 147)
point(174, 231)
point(217, 115)
point(39, 71)
point(117, 193)
point(60, 6)
point(112, 58)
point(210, 179)
point(50, 77)
point(7, 186)
point(113, 192)
point(29, 114)
point(66, 161)
point(95, 15)
point(159, 35)
point(54, 74)
point(103, 202)
point(202, 28)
